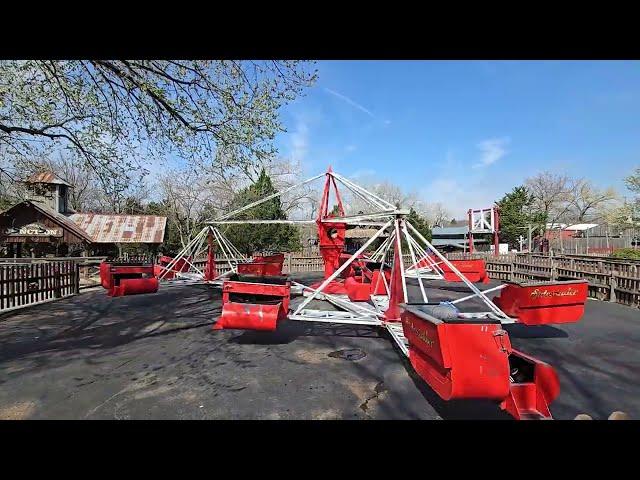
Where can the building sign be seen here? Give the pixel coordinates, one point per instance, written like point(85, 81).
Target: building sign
point(33, 230)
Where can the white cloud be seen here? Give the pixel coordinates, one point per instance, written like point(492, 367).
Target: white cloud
point(350, 148)
point(363, 173)
point(459, 195)
point(300, 141)
point(492, 150)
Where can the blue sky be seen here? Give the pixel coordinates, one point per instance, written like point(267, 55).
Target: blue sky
point(465, 132)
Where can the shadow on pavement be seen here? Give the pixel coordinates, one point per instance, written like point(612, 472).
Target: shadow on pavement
point(67, 328)
point(518, 330)
point(290, 330)
point(454, 409)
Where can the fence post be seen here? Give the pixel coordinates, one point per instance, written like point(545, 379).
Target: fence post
point(57, 293)
point(76, 286)
point(288, 262)
point(613, 284)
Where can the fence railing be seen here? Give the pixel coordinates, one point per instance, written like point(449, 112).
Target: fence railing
point(27, 284)
point(609, 279)
point(30, 281)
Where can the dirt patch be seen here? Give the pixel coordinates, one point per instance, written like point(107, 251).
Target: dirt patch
point(314, 357)
point(17, 411)
point(162, 390)
point(330, 414)
point(360, 389)
point(379, 391)
point(154, 326)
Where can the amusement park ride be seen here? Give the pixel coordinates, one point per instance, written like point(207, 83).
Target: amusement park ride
point(459, 354)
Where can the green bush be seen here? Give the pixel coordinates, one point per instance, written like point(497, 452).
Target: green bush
point(627, 253)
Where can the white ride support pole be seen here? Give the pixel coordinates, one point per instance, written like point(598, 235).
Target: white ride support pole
point(425, 256)
point(342, 267)
point(258, 222)
point(401, 266)
point(468, 297)
point(234, 267)
point(230, 246)
point(186, 248)
point(347, 305)
point(384, 280)
point(359, 191)
point(413, 258)
point(194, 254)
point(265, 199)
point(473, 288)
point(383, 247)
point(234, 250)
point(364, 191)
point(360, 195)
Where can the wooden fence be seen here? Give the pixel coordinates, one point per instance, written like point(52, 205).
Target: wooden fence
point(609, 279)
point(24, 284)
point(43, 280)
point(293, 263)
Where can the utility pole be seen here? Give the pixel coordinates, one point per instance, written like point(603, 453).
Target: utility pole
point(521, 240)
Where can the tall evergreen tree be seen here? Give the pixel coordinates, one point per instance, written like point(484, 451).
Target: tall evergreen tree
point(420, 223)
point(516, 212)
point(251, 239)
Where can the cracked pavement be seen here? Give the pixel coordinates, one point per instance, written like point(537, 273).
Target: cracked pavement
point(157, 357)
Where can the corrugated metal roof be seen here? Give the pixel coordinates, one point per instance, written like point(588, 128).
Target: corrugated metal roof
point(59, 218)
point(555, 226)
point(456, 242)
point(121, 228)
point(581, 226)
point(450, 230)
point(46, 177)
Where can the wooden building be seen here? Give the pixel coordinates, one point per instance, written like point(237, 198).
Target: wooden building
point(44, 225)
point(30, 229)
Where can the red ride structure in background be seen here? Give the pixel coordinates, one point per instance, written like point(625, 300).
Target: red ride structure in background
point(474, 270)
point(180, 266)
point(331, 237)
point(253, 302)
point(542, 303)
point(270, 265)
point(121, 279)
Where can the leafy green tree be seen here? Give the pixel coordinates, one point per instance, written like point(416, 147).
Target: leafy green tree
point(171, 244)
point(633, 181)
point(626, 253)
point(133, 206)
point(5, 203)
point(256, 238)
point(419, 223)
point(107, 111)
point(516, 212)
point(335, 211)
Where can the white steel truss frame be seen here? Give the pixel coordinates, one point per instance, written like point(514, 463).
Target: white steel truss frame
point(356, 312)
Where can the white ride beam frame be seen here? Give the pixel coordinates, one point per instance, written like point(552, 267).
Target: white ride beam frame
point(384, 210)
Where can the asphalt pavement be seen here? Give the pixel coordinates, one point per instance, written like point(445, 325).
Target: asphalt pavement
point(157, 357)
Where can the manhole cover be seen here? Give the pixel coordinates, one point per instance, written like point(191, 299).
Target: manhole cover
point(351, 354)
